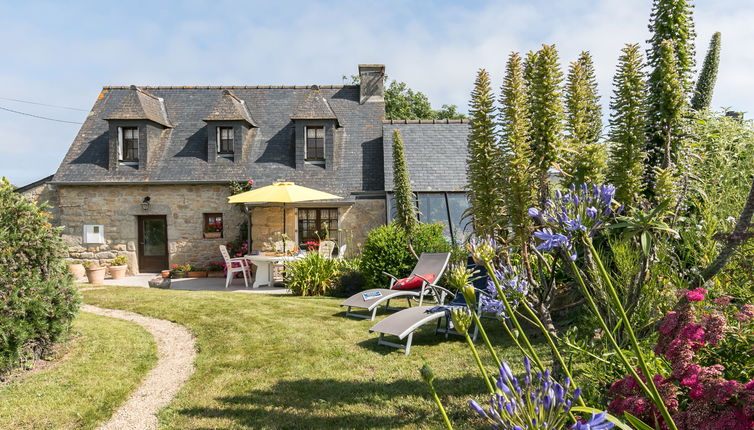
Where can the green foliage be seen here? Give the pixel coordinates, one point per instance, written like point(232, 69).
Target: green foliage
point(627, 127)
point(38, 298)
point(484, 193)
point(405, 215)
point(516, 172)
point(584, 124)
point(671, 20)
point(385, 250)
point(402, 102)
point(120, 260)
point(705, 85)
point(312, 275)
point(546, 113)
point(666, 106)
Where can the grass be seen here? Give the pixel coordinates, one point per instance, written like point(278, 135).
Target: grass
point(103, 362)
point(293, 362)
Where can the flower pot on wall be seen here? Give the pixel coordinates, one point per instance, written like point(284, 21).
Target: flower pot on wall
point(176, 274)
point(213, 235)
point(77, 270)
point(165, 273)
point(118, 272)
point(95, 275)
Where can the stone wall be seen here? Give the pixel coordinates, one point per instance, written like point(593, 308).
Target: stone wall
point(116, 207)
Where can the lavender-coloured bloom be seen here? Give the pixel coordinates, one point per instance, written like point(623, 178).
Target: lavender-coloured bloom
point(591, 212)
point(596, 422)
point(534, 212)
point(475, 406)
point(551, 240)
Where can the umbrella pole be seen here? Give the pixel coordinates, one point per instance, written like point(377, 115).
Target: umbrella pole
point(284, 228)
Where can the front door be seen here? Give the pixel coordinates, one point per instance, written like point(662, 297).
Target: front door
point(153, 243)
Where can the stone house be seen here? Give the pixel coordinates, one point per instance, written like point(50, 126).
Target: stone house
point(149, 172)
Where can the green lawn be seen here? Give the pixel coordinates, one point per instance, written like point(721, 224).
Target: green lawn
point(292, 362)
point(103, 362)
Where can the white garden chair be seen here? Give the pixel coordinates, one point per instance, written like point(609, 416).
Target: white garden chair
point(289, 245)
point(233, 266)
point(326, 248)
point(342, 252)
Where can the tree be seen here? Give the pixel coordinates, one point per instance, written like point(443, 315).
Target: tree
point(671, 20)
point(627, 126)
point(405, 215)
point(516, 173)
point(666, 107)
point(705, 85)
point(546, 113)
point(402, 102)
point(583, 123)
point(483, 189)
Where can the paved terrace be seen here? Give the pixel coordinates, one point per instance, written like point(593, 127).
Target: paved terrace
point(195, 284)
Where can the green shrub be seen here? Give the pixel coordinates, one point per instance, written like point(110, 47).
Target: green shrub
point(350, 280)
point(38, 298)
point(312, 275)
point(386, 249)
point(120, 260)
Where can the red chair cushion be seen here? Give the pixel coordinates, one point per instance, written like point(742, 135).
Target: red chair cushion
point(413, 282)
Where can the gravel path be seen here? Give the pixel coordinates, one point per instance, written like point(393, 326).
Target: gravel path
point(176, 352)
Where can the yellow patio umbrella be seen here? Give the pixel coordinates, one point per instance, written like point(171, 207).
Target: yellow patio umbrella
point(281, 192)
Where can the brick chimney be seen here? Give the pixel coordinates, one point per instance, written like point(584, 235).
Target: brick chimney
point(372, 88)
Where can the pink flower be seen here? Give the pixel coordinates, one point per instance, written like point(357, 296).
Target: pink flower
point(745, 314)
point(750, 385)
point(693, 332)
point(669, 323)
point(696, 295)
point(714, 325)
point(723, 301)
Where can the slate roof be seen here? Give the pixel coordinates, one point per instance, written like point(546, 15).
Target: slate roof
point(230, 108)
point(313, 106)
point(181, 154)
point(139, 104)
point(436, 152)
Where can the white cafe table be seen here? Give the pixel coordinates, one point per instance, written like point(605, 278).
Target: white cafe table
point(264, 265)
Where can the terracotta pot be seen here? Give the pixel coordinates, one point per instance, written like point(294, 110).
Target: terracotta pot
point(165, 273)
point(219, 274)
point(96, 275)
point(175, 274)
point(213, 235)
point(77, 270)
point(197, 274)
point(118, 272)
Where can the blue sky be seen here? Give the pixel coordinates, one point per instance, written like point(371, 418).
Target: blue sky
point(62, 53)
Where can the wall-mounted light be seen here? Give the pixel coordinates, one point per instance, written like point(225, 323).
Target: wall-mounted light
point(145, 203)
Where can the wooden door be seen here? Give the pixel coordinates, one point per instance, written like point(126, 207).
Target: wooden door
point(153, 243)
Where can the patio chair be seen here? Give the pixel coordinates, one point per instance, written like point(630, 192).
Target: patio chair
point(342, 252)
point(326, 248)
point(403, 324)
point(233, 266)
point(428, 269)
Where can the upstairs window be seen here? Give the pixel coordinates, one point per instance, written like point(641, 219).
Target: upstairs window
point(225, 140)
point(315, 144)
point(128, 147)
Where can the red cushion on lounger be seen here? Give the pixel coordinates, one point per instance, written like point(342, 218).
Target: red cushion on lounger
point(413, 282)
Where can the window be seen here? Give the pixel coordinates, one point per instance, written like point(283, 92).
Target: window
point(213, 224)
point(316, 224)
point(445, 208)
point(225, 140)
point(128, 148)
point(315, 144)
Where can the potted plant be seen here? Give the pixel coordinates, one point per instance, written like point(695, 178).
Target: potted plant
point(118, 266)
point(214, 230)
point(77, 270)
point(94, 272)
point(216, 269)
point(165, 273)
point(197, 272)
point(180, 270)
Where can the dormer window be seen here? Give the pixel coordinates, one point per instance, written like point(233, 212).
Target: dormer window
point(225, 141)
point(315, 144)
point(128, 145)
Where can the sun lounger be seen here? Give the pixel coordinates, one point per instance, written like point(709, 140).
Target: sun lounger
point(403, 324)
point(429, 269)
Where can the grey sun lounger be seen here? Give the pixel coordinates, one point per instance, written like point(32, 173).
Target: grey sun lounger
point(429, 263)
point(403, 324)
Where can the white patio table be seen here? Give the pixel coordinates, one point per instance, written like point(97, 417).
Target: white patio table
point(264, 266)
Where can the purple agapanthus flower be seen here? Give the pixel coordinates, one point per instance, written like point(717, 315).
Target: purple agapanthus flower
point(596, 422)
point(514, 286)
point(535, 402)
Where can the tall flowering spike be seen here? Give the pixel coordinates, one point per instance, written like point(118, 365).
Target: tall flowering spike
point(461, 318)
point(482, 250)
point(707, 77)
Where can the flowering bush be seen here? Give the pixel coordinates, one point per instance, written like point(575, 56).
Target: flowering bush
point(214, 227)
point(710, 351)
point(181, 267)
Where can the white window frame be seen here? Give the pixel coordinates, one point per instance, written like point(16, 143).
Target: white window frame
point(120, 148)
point(324, 145)
point(217, 141)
